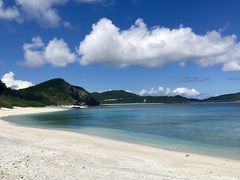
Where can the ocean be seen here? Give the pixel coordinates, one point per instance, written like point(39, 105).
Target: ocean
point(207, 128)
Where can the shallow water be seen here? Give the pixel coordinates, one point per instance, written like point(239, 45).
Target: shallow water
point(203, 128)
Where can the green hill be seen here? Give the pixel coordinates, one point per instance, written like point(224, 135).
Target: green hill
point(235, 97)
point(52, 92)
point(120, 96)
point(115, 96)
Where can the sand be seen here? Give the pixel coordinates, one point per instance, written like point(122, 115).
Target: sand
point(31, 153)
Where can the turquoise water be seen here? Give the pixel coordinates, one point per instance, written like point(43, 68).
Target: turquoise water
point(203, 128)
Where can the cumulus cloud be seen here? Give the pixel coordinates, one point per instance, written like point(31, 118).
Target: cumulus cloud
point(161, 91)
point(8, 13)
point(56, 53)
point(186, 92)
point(44, 12)
point(10, 82)
point(157, 46)
point(33, 52)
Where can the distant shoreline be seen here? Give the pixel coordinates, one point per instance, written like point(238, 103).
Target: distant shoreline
point(129, 104)
point(115, 104)
point(234, 102)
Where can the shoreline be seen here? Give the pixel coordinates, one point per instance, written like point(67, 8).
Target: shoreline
point(32, 153)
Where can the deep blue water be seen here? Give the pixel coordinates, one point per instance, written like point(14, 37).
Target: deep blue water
point(206, 128)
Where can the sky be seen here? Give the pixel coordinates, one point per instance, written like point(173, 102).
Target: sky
point(149, 47)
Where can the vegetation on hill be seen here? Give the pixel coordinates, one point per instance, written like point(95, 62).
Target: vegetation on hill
point(2, 87)
point(120, 96)
point(115, 96)
point(52, 92)
point(225, 98)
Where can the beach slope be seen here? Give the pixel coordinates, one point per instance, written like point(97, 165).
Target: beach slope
point(30, 153)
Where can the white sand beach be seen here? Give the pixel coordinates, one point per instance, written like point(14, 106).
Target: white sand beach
point(30, 153)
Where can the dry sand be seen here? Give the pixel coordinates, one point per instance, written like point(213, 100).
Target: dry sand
point(28, 153)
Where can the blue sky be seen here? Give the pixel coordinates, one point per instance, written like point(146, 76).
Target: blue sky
point(208, 63)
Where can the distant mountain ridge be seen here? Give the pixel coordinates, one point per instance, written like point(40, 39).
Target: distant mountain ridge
point(59, 92)
point(120, 96)
point(234, 97)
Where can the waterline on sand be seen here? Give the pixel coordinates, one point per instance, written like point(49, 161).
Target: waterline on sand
point(212, 129)
point(34, 153)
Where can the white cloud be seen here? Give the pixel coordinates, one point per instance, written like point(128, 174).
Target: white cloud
point(8, 13)
point(157, 46)
point(186, 92)
point(44, 11)
point(33, 52)
point(10, 82)
point(161, 91)
point(56, 53)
